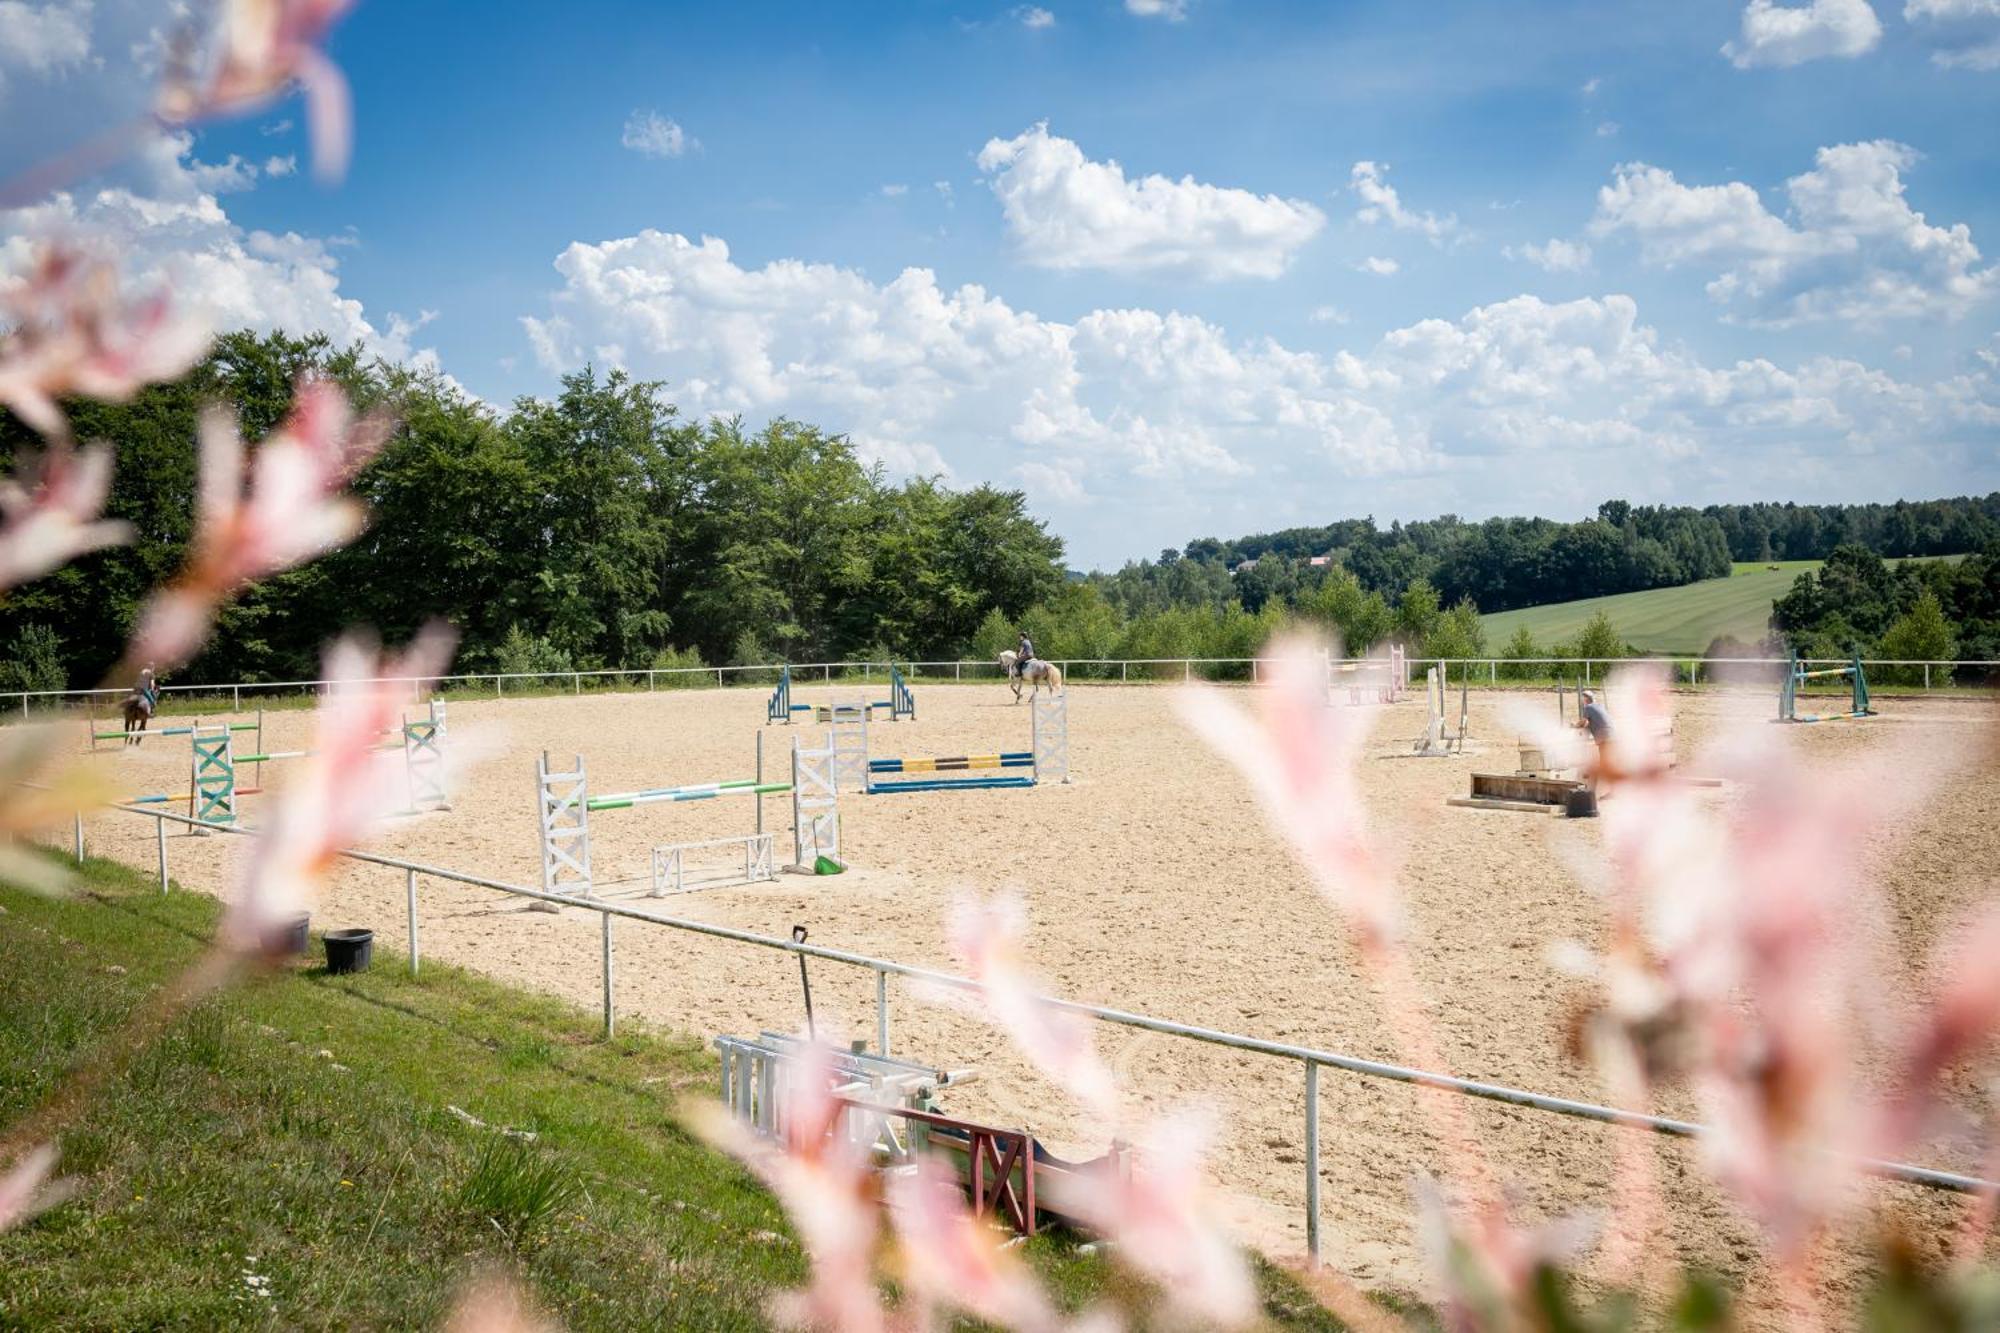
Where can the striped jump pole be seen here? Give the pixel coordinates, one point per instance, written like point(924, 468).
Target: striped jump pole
point(671, 795)
point(1048, 758)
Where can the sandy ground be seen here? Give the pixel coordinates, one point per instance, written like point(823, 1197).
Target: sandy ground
point(1154, 885)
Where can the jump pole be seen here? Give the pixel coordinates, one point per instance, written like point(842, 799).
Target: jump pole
point(1047, 758)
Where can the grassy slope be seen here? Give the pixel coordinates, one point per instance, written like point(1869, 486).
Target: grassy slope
point(302, 1120)
point(1683, 620)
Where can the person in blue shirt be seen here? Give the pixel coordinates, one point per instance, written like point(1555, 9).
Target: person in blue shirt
point(1592, 718)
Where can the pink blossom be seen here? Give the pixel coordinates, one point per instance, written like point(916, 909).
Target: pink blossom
point(1298, 756)
point(345, 784)
point(266, 46)
point(1963, 1017)
point(54, 518)
point(820, 1174)
point(987, 938)
point(293, 510)
point(953, 1260)
point(74, 335)
point(1157, 1216)
point(24, 1190)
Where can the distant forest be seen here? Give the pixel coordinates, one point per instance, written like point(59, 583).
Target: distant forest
point(600, 528)
point(1504, 563)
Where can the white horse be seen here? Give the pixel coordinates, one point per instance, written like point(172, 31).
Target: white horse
point(1040, 672)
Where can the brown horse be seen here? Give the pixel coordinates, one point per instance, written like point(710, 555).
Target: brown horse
point(139, 705)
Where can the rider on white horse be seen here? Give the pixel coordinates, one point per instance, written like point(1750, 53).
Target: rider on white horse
point(1024, 653)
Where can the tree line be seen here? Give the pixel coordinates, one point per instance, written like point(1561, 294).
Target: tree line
point(596, 528)
point(1915, 610)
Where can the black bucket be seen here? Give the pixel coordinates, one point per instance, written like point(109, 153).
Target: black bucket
point(1580, 803)
point(289, 938)
point(349, 950)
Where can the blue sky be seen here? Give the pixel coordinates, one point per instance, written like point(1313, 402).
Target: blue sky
point(1399, 259)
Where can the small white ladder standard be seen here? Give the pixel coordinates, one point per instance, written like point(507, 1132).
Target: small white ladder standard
point(847, 738)
point(565, 817)
point(816, 804)
point(1049, 727)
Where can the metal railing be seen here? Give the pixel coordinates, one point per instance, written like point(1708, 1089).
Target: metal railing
point(1310, 1059)
point(1153, 668)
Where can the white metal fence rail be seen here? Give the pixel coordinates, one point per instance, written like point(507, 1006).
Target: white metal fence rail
point(1310, 1059)
point(1149, 668)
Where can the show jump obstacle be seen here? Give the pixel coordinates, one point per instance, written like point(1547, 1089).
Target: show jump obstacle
point(1046, 759)
point(1796, 675)
point(1374, 680)
point(213, 766)
point(1436, 741)
point(900, 703)
point(566, 806)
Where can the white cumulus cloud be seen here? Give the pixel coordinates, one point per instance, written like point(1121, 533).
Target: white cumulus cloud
point(1134, 416)
point(1853, 248)
point(1378, 265)
point(1964, 34)
point(38, 38)
point(1065, 211)
point(1173, 11)
point(1775, 34)
point(1034, 16)
point(279, 167)
point(1381, 203)
point(1558, 256)
point(169, 229)
point(650, 134)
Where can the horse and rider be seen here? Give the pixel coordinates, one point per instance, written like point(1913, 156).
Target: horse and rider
point(140, 705)
point(1023, 666)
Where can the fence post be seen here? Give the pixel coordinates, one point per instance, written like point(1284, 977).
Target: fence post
point(881, 1012)
point(1927, 685)
point(235, 698)
point(79, 836)
point(1312, 1161)
point(1121, 673)
point(958, 671)
point(1493, 673)
point(649, 681)
point(410, 887)
point(160, 836)
point(576, 679)
point(609, 1022)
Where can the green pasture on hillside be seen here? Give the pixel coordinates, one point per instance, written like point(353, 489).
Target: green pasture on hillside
point(1679, 621)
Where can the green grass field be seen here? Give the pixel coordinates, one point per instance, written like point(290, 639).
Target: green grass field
point(286, 1157)
point(1679, 621)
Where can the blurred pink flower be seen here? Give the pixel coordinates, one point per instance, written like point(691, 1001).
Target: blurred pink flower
point(346, 783)
point(24, 1190)
point(953, 1260)
point(294, 510)
point(821, 1175)
point(73, 335)
point(53, 518)
point(1157, 1218)
point(1963, 1018)
point(987, 937)
point(1298, 756)
point(496, 1305)
point(266, 46)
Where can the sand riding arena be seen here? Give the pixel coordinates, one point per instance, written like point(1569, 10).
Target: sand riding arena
point(1154, 885)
